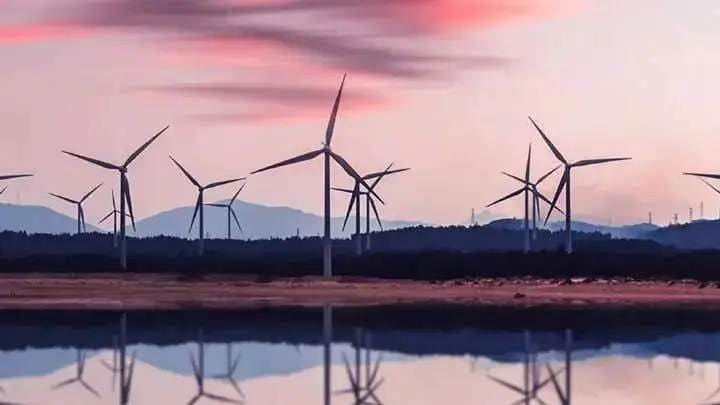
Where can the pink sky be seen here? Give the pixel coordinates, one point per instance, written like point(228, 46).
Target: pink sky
point(442, 86)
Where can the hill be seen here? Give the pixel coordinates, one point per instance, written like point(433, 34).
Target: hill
point(37, 219)
point(258, 222)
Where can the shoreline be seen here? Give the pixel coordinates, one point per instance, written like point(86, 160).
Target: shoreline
point(142, 291)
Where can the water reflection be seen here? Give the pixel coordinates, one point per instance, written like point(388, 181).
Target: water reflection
point(78, 379)
point(335, 356)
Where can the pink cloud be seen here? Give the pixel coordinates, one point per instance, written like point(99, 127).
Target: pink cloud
point(35, 32)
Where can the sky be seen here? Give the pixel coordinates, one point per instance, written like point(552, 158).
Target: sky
point(441, 86)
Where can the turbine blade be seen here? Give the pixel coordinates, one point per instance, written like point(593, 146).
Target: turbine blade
point(128, 199)
point(589, 162)
point(377, 216)
point(85, 197)
point(701, 179)
point(222, 183)
point(296, 159)
point(527, 166)
point(350, 207)
point(197, 208)
point(333, 115)
point(508, 385)
point(552, 147)
point(559, 190)
point(232, 212)
point(507, 197)
point(512, 176)
point(217, 205)
point(352, 173)
point(539, 195)
point(187, 174)
point(71, 201)
point(546, 175)
point(344, 190)
point(382, 174)
point(106, 217)
point(232, 200)
point(143, 147)
point(113, 199)
point(93, 161)
point(3, 190)
point(14, 176)
point(707, 175)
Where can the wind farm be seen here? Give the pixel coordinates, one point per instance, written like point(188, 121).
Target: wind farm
point(367, 202)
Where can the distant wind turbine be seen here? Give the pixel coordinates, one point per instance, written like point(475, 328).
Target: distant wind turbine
point(79, 379)
point(114, 213)
point(565, 182)
point(124, 189)
point(199, 206)
point(230, 212)
point(328, 153)
point(536, 196)
point(530, 190)
point(78, 203)
point(356, 194)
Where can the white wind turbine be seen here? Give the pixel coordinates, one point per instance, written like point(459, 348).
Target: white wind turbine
point(530, 190)
point(565, 182)
point(328, 153)
point(114, 213)
point(230, 212)
point(124, 189)
point(78, 203)
point(356, 194)
point(199, 205)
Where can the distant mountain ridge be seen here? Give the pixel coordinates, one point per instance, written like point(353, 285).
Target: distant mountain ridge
point(37, 219)
point(258, 222)
point(636, 231)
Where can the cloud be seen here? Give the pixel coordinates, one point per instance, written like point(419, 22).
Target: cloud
point(386, 40)
point(35, 32)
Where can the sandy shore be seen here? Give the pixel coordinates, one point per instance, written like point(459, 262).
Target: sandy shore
point(155, 291)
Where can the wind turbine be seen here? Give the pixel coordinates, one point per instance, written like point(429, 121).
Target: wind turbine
point(565, 182)
point(80, 212)
point(124, 189)
point(363, 392)
point(532, 383)
point(199, 372)
point(79, 370)
point(536, 195)
point(229, 374)
point(114, 214)
point(230, 212)
point(356, 194)
point(328, 154)
point(199, 207)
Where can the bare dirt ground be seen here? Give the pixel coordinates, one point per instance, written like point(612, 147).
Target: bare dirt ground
point(166, 291)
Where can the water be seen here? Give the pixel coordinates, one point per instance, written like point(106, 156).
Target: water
point(404, 355)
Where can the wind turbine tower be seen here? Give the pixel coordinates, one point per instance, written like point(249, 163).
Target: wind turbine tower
point(328, 155)
point(124, 188)
point(565, 182)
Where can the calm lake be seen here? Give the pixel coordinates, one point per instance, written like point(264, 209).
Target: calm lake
point(399, 355)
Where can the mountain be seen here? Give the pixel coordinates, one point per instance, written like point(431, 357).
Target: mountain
point(258, 222)
point(37, 219)
point(637, 231)
point(701, 234)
